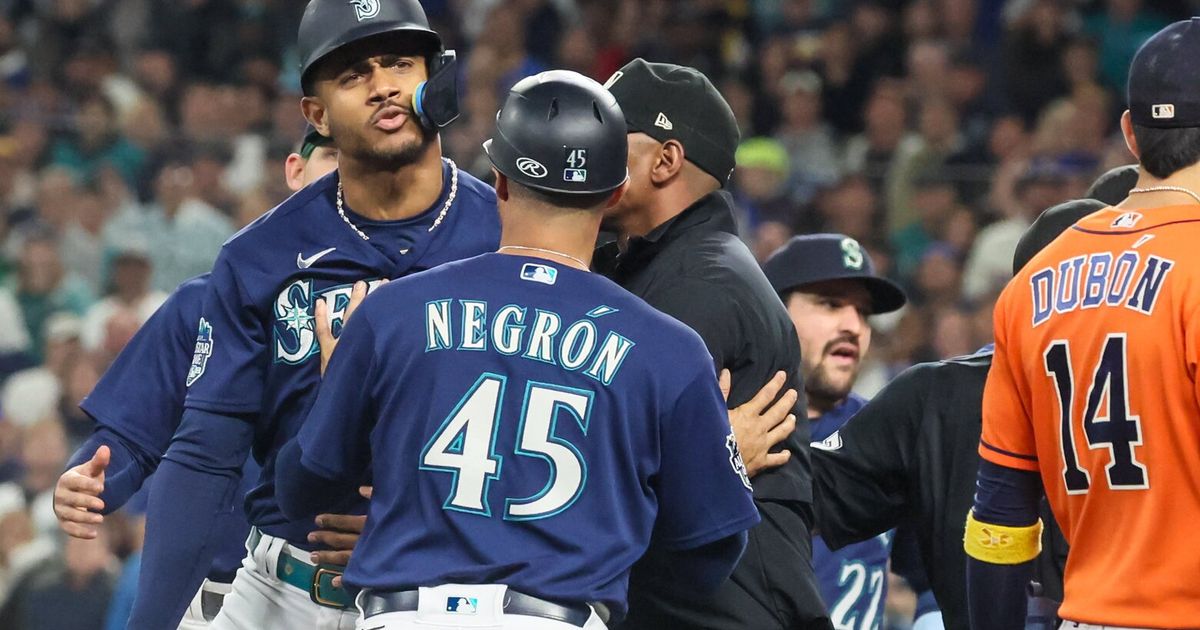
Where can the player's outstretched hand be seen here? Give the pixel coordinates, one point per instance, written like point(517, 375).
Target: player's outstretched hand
point(759, 425)
point(340, 533)
point(325, 337)
point(77, 496)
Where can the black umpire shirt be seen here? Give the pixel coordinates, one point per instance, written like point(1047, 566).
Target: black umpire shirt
point(908, 459)
point(696, 269)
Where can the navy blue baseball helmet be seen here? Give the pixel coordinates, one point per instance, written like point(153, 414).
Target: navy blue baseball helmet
point(561, 132)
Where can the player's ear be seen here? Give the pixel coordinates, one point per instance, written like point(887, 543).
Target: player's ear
point(501, 185)
point(293, 172)
point(1130, 139)
point(615, 197)
point(315, 113)
point(669, 162)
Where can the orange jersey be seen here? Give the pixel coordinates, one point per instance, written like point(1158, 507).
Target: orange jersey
point(1094, 386)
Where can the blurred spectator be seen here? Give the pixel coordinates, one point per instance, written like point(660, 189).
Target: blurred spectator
point(808, 139)
point(69, 591)
point(33, 394)
point(939, 276)
point(129, 291)
point(21, 549)
point(133, 529)
point(1120, 30)
point(886, 140)
point(82, 245)
point(44, 287)
point(989, 265)
point(935, 200)
point(761, 177)
point(181, 232)
point(938, 139)
point(96, 142)
point(1037, 33)
point(952, 334)
point(850, 207)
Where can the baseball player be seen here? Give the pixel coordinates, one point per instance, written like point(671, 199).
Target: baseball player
point(1092, 393)
point(137, 406)
point(829, 285)
point(376, 79)
point(539, 425)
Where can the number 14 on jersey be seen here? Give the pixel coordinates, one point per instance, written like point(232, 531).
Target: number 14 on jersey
point(465, 446)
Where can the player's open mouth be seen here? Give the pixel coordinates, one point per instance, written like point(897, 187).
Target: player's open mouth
point(845, 352)
point(390, 118)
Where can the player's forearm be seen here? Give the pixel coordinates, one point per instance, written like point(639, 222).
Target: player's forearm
point(1003, 536)
point(196, 484)
point(996, 594)
point(183, 511)
point(303, 493)
point(127, 469)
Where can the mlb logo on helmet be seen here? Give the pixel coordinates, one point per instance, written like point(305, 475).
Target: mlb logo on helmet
point(539, 273)
point(1164, 111)
point(462, 605)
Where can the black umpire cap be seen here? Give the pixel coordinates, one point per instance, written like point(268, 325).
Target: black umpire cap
point(1162, 88)
point(670, 102)
point(819, 257)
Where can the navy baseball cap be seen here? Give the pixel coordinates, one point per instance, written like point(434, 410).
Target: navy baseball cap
point(820, 257)
point(1162, 89)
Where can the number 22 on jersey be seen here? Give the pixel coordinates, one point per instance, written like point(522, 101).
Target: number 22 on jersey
point(1120, 431)
point(465, 446)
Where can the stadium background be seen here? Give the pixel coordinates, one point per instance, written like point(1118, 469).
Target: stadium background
point(136, 135)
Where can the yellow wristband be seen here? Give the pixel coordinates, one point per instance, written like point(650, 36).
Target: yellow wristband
point(999, 544)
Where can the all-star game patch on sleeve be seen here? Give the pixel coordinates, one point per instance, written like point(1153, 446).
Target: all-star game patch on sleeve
point(226, 374)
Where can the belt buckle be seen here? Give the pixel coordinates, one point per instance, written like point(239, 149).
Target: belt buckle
point(315, 589)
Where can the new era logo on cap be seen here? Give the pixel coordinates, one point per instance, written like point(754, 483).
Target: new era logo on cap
point(1164, 111)
point(663, 121)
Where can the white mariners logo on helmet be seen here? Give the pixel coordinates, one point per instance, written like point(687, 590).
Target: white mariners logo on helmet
point(532, 167)
point(365, 9)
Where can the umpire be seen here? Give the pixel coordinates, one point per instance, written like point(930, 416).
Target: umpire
point(679, 251)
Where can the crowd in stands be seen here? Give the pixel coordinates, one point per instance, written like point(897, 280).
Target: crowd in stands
point(136, 136)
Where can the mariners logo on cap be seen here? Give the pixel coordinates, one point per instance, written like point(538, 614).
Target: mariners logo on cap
point(365, 9)
point(852, 254)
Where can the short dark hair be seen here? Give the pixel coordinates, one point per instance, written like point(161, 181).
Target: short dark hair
point(1165, 151)
point(565, 201)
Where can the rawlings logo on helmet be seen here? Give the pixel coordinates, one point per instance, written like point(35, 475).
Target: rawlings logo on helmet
point(365, 9)
point(531, 167)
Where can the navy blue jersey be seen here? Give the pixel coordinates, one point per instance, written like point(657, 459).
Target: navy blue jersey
point(140, 400)
point(256, 355)
point(524, 423)
point(853, 579)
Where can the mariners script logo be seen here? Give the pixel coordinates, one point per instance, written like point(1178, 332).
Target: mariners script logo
point(204, 349)
point(365, 9)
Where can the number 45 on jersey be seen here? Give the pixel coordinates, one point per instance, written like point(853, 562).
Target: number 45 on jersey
point(465, 446)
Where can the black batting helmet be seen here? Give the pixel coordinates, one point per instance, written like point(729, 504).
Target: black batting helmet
point(561, 132)
point(328, 25)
